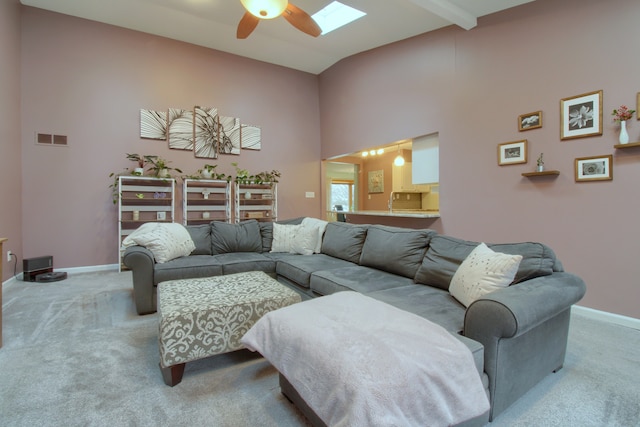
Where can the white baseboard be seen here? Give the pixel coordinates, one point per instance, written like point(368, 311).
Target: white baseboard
point(605, 316)
point(72, 270)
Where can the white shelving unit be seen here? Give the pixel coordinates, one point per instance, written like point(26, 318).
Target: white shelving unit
point(143, 199)
point(255, 201)
point(205, 200)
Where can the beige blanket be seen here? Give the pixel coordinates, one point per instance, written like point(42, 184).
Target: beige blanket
point(357, 361)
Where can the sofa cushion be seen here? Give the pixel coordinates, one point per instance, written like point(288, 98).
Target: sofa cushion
point(201, 236)
point(482, 272)
point(298, 268)
point(187, 267)
point(242, 237)
point(396, 250)
point(344, 241)
point(354, 278)
point(445, 254)
point(241, 262)
point(166, 241)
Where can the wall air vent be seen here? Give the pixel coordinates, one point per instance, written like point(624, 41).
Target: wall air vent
point(51, 139)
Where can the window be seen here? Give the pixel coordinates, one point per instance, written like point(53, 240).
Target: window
point(342, 194)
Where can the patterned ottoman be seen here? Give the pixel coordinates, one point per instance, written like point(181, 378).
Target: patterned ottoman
point(208, 316)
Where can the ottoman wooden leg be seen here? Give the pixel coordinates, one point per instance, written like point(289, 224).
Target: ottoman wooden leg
point(173, 374)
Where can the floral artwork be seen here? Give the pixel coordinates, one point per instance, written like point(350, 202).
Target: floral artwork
point(250, 137)
point(530, 121)
point(153, 124)
point(180, 125)
point(205, 132)
point(229, 134)
point(512, 153)
point(581, 115)
point(376, 181)
point(599, 168)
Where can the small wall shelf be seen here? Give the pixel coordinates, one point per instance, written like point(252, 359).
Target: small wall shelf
point(543, 173)
point(629, 145)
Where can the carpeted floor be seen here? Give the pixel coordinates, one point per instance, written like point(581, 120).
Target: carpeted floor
point(76, 354)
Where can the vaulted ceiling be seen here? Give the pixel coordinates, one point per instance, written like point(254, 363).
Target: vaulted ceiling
point(213, 23)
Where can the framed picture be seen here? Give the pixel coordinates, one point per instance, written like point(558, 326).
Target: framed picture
point(581, 115)
point(530, 121)
point(598, 168)
point(376, 181)
point(511, 153)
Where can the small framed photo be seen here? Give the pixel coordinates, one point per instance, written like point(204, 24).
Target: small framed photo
point(598, 168)
point(511, 153)
point(161, 216)
point(530, 121)
point(581, 115)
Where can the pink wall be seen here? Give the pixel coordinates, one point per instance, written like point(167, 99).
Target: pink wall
point(10, 157)
point(89, 81)
point(470, 86)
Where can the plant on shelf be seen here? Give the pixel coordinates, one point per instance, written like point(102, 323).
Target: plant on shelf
point(160, 167)
point(266, 177)
point(140, 160)
point(622, 114)
point(209, 172)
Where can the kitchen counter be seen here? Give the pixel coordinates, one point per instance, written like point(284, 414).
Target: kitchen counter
point(407, 218)
point(398, 213)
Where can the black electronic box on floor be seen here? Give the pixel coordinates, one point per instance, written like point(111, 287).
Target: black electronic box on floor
point(31, 267)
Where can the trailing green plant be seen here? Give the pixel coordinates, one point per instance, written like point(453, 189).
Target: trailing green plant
point(158, 165)
point(211, 170)
point(243, 176)
point(540, 161)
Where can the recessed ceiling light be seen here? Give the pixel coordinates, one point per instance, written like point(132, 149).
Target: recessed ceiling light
point(336, 15)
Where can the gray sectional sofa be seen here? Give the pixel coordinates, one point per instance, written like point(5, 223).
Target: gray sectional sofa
point(517, 335)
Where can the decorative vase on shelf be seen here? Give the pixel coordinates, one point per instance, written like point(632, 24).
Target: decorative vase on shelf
point(540, 168)
point(624, 136)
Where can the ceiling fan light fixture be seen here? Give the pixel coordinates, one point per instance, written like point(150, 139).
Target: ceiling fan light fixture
point(265, 9)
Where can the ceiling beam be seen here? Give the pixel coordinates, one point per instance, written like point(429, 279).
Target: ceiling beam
point(449, 11)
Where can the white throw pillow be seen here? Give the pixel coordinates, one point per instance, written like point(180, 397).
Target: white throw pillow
point(320, 225)
point(483, 271)
point(166, 241)
point(305, 240)
point(283, 235)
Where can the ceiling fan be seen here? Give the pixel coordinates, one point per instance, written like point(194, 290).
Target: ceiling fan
point(269, 9)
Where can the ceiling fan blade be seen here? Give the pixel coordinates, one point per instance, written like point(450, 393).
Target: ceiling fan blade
point(247, 24)
point(301, 20)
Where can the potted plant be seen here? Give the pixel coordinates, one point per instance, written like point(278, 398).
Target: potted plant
point(160, 167)
point(140, 160)
point(266, 177)
point(209, 172)
point(540, 163)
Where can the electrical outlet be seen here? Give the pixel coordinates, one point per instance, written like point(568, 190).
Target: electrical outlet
point(9, 256)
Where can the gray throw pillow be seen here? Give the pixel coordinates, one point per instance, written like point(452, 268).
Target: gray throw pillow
point(201, 236)
point(243, 237)
point(395, 250)
point(343, 240)
point(445, 254)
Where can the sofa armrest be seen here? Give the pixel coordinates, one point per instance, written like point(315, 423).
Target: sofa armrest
point(513, 311)
point(141, 262)
point(524, 330)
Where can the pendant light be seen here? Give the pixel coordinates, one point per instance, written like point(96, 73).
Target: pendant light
point(399, 160)
point(265, 9)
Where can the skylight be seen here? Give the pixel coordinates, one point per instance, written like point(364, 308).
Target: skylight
point(336, 15)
